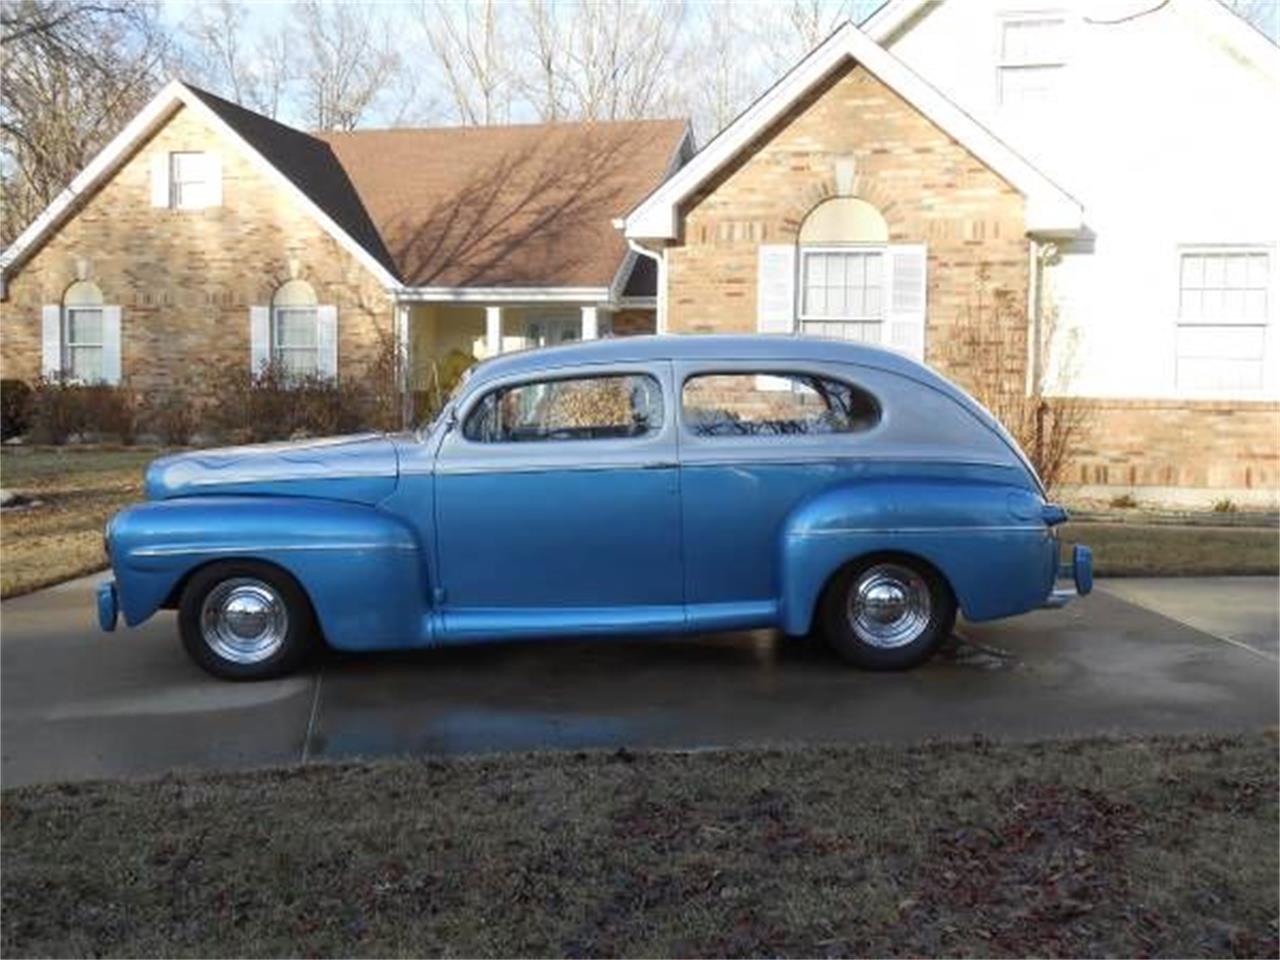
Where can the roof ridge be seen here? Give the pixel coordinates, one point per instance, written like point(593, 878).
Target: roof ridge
point(480, 128)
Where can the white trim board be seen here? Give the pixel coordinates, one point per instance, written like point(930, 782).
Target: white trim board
point(496, 295)
point(1050, 209)
point(148, 120)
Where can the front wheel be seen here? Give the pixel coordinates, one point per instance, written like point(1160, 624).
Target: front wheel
point(887, 613)
point(243, 620)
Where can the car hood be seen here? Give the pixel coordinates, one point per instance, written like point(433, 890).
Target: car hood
point(362, 468)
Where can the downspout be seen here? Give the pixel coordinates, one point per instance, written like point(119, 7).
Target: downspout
point(660, 261)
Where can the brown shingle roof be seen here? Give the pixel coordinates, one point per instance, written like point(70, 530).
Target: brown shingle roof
point(527, 205)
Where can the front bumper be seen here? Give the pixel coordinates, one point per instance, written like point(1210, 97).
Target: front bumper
point(108, 605)
point(1079, 570)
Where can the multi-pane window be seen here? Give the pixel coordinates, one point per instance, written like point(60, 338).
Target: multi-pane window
point(1031, 58)
point(295, 344)
point(294, 341)
point(843, 293)
point(82, 343)
point(1223, 305)
point(188, 181)
point(583, 408)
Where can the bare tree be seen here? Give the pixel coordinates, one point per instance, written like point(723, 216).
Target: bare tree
point(72, 74)
point(618, 57)
point(470, 43)
point(542, 83)
point(226, 59)
point(350, 56)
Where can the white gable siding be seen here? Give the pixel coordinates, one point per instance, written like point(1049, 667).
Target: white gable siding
point(1166, 130)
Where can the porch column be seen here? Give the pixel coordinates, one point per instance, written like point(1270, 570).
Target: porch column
point(590, 323)
point(402, 346)
point(493, 330)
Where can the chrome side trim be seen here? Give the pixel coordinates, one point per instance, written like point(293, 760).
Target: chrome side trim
point(844, 531)
point(260, 548)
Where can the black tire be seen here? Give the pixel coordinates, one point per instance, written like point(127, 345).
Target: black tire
point(850, 627)
point(284, 649)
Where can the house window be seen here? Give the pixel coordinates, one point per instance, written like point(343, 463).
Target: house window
point(83, 337)
point(189, 187)
point(1223, 305)
point(1031, 58)
point(295, 333)
point(843, 293)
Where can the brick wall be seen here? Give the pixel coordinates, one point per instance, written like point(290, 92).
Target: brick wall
point(633, 322)
point(928, 188)
point(187, 278)
point(1223, 446)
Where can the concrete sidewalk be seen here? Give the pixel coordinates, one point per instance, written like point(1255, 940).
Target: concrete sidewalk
point(80, 704)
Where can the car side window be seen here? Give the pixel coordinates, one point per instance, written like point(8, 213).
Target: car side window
point(610, 407)
point(775, 404)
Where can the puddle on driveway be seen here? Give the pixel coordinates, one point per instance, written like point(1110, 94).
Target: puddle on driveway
point(962, 652)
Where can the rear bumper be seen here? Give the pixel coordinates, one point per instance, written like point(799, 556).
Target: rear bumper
point(1079, 570)
point(108, 605)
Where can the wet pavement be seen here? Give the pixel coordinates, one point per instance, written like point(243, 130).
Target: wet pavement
point(81, 704)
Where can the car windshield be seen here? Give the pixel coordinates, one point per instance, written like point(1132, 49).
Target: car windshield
point(429, 425)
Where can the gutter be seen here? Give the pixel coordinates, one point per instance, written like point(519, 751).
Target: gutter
point(660, 261)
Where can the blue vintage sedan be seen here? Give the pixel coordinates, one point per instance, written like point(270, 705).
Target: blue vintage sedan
point(640, 485)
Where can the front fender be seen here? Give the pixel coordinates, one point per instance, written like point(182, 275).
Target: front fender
point(362, 568)
point(989, 541)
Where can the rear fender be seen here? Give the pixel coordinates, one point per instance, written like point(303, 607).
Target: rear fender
point(362, 568)
point(988, 541)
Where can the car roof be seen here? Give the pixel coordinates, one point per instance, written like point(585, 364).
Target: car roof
point(772, 347)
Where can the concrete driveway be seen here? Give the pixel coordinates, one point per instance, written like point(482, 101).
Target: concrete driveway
point(1137, 656)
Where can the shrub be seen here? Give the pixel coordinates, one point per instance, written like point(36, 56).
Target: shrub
point(987, 351)
point(171, 416)
point(62, 409)
point(15, 408)
point(1124, 501)
point(1225, 505)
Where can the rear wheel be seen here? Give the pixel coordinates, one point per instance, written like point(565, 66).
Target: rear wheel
point(887, 613)
point(244, 620)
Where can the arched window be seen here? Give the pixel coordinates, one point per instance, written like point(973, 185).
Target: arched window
point(295, 340)
point(83, 334)
point(844, 271)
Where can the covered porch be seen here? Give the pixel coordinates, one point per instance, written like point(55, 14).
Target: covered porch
point(440, 338)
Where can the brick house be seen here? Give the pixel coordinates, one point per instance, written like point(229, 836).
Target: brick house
point(206, 232)
point(852, 199)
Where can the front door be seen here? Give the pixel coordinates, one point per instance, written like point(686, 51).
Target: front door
point(558, 508)
point(547, 331)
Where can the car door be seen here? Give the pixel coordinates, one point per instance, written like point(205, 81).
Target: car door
point(756, 440)
point(557, 506)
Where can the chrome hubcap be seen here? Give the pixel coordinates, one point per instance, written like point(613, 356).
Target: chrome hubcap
point(889, 606)
point(244, 620)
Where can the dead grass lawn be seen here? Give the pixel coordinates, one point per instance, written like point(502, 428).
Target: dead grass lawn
point(62, 538)
point(1164, 847)
point(1152, 550)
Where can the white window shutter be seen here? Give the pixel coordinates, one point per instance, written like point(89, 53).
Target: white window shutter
point(213, 179)
point(259, 338)
point(111, 345)
point(160, 179)
point(51, 340)
point(908, 295)
point(327, 340)
point(776, 288)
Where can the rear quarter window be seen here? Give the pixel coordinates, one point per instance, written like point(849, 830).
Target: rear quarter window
point(750, 404)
